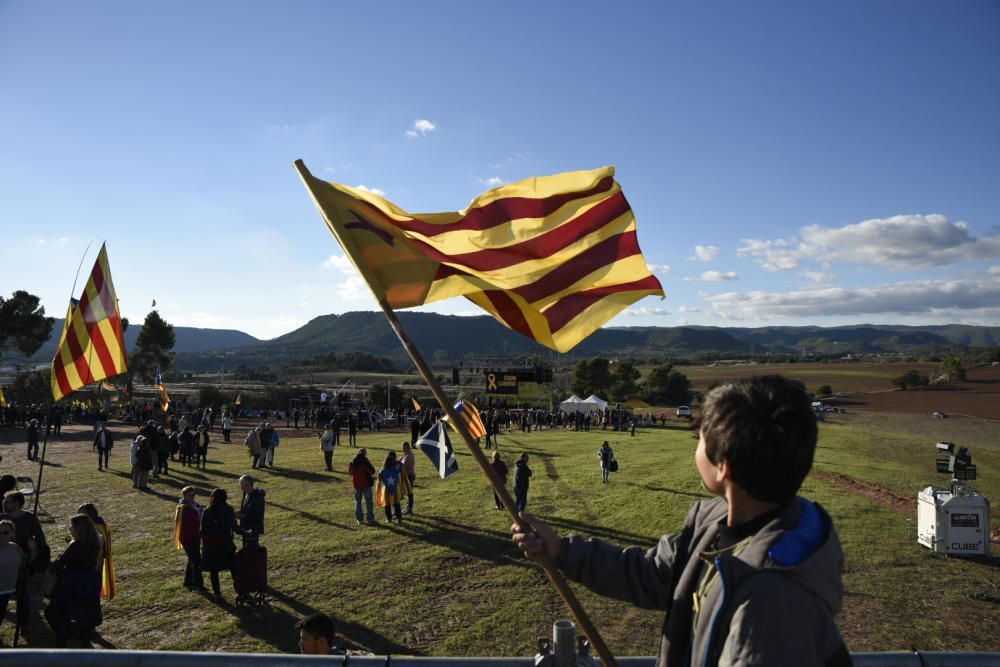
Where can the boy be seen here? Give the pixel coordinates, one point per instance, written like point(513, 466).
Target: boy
point(316, 634)
point(753, 578)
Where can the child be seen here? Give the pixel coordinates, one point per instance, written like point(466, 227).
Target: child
point(11, 557)
point(754, 575)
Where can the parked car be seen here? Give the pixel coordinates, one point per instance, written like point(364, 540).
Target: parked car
point(684, 411)
point(940, 415)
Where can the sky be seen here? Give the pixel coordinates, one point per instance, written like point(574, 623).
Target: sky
point(789, 163)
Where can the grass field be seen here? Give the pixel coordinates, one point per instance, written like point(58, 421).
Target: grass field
point(449, 582)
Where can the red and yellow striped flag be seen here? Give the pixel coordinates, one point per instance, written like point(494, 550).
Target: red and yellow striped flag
point(470, 415)
point(553, 258)
point(92, 346)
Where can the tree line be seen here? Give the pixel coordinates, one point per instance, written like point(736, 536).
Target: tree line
point(622, 380)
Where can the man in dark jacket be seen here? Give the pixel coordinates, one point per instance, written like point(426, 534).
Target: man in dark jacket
point(33, 440)
point(251, 514)
point(753, 578)
point(522, 476)
point(103, 442)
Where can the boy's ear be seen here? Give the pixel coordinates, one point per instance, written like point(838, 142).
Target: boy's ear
point(724, 471)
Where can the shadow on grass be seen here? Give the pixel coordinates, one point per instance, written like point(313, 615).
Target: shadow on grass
point(667, 489)
point(488, 545)
point(302, 475)
point(308, 515)
point(600, 532)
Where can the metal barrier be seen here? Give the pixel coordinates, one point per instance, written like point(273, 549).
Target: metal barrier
point(565, 649)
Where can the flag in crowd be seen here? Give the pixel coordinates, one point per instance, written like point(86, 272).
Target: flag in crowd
point(468, 413)
point(164, 398)
point(552, 258)
point(3, 399)
point(416, 406)
point(92, 345)
point(107, 386)
point(436, 445)
point(239, 398)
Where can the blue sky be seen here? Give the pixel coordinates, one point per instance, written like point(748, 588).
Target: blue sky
point(788, 162)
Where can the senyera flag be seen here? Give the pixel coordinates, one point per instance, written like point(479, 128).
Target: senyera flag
point(92, 346)
point(553, 258)
point(164, 397)
point(470, 415)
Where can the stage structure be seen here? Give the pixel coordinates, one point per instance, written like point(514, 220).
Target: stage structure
point(509, 382)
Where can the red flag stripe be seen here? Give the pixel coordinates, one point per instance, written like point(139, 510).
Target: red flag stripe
point(509, 312)
point(539, 247)
point(101, 346)
point(606, 252)
point(64, 386)
point(76, 352)
point(500, 211)
point(570, 306)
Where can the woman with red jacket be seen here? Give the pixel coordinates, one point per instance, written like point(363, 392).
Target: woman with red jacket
point(362, 476)
point(187, 536)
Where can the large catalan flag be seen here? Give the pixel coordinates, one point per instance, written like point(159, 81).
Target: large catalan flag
point(92, 346)
point(553, 258)
point(468, 413)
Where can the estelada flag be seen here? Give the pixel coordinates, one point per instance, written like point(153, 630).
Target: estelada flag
point(3, 399)
point(553, 258)
point(92, 345)
point(164, 397)
point(468, 413)
point(239, 398)
point(416, 406)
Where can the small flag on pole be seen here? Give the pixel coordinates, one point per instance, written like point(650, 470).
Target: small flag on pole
point(436, 445)
point(416, 406)
point(239, 398)
point(92, 345)
point(164, 398)
point(552, 258)
point(3, 399)
point(470, 415)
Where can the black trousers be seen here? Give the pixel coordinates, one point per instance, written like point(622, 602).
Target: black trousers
point(192, 573)
point(102, 457)
point(329, 460)
point(213, 575)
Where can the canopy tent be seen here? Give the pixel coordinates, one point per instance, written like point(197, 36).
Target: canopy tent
point(572, 404)
point(595, 402)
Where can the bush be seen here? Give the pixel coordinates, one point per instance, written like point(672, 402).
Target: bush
point(824, 390)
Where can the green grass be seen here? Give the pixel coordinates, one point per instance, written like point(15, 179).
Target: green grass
point(449, 581)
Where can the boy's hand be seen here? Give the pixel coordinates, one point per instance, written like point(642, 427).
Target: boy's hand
point(534, 538)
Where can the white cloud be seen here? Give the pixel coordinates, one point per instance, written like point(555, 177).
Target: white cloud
point(493, 182)
point(818, 277)
point(705, 253)
point(688, 309)
point(714, 276)
point(340, 263)
point(40, 242)
point(421, 127)
point(374, 191)
point(283, 129)
point(353, 286)
point(469, 313)
point(974, 296)
point(900, 242)
point(662, 269)
point(646, 312)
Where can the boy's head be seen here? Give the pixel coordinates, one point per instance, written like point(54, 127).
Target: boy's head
point(316, 634)
point(13, 502)
point(6, 532)
point(765, 429)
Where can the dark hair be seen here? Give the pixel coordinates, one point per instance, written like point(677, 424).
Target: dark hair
point(85, 534)
point(7, 483)
point(319, 626)
point(765, 428)
point(15, 496)
point(218, 497)
point(390, 459)
point(90, 510)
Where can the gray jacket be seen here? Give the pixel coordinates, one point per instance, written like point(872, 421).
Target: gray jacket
point(773, 603)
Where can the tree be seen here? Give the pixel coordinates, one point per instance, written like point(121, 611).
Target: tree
point(30, 387)
point(665, 386)
point(376, 396)
point(592, 376)
point(824, 390)
point(153, 347)
point(625, 380)
point(209, 395)
point(911, 378)
point(953, 369)
point(23, 323)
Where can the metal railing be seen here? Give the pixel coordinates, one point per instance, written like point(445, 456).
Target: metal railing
point(565, 649)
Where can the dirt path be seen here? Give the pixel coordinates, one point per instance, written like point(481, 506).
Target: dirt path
point(880, 494)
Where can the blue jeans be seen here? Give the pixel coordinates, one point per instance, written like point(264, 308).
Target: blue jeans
point(367, 495)
point(521, 498)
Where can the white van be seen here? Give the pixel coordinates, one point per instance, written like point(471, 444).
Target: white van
point(684, 411)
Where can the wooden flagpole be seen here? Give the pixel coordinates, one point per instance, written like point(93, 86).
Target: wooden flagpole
point(558, 581)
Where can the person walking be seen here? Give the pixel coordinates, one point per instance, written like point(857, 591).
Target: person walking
point(106, 561)
point(33, 440)
point(266, 437)
point(201, 447)
point(252, 442)
point(163, 451)
point(522, 476)
point(606, 455)
point(409, 464)
point(227, 427)
point(275, 439)
point(327, 445)
point(390, 487)
point(75, 603)
point(187, 536)
point(218, 550)
point(500, 468)
point(103, 442)
point(362, 477)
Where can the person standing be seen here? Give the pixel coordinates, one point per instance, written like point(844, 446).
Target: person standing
point(275, 439)
point(266, 436)
point(253, 446)
point(143, 463)
point(390, 487)
point(251, 514)
point(352, 430)
point(415, 431)
point(227, 427)
point(187, 536)
point(33, 440)
point(11, 558)
point(30, 537)
point(106, 561)
point(103, 442)
point(606, 455)
point(218, 522)
point(362, 477)
point(327, 445)
point(187, 445)
point(522, 476)
point(409, 464)
point(75, 603)
point(500, 468)
point(201, 447)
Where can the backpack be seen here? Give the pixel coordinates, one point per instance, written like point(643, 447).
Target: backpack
point(613, 466)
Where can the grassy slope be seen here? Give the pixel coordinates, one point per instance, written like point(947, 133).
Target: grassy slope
point(448, 582)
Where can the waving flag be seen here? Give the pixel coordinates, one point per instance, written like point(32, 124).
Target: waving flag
point(164, 398)
point(552, 258)
point(239, 398)
point(92, 346)
point(470, 415)
point(416, 406)
point(3, 399)
point(436, 445)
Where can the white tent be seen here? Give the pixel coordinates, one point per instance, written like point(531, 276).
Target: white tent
point(595, 403)
point(574, 404)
